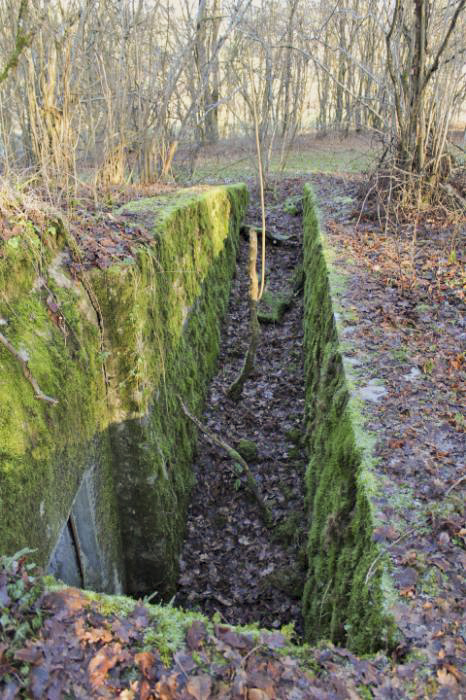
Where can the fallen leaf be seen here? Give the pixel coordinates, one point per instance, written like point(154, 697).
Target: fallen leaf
point(408, 592)
point(455, 672)
point(145, 691)
point(166, 687)
point(73, 599)
point(274, 640)
point(353, 694)
point(446, 678)
point(396, 444)
point(184, 661)
point(145, 660)
point(261, 681)
point(29, 654)
point(385, 532)
point(39, 679)
point(257, 694)
point(199, 687)
point(102, 662)
point(444, 540)
point(233, 639)
point(195, 635)
point(94, 635)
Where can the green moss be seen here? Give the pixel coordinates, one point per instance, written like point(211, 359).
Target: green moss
point(115, 358)
point(293, 205)
point(42, 445)
point(169, 629)
point(291, 531)
point(161, 320)
point(273, 306)
point(432, 582)
point(343, 598)
point(247, 449)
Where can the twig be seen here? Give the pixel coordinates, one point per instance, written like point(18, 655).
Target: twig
point(454, 194)
point(251, 651)
point(236, 388)
point(371, 569)
point(261, 181)
point(404, 534)
point(39, 394)
point(457, 483)
point(371, 189)
point(234, 455)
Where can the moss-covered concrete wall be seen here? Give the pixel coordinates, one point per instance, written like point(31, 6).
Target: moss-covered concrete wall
point(114, 348)
point(346, 592)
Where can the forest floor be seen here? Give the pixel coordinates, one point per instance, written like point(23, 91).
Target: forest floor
point(232, 563)
point(406, 326)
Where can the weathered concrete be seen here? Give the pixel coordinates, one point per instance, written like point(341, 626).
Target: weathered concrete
point(99, 483)
point(347, 591)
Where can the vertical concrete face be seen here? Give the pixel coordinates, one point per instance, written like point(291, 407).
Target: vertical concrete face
point(64, 563)
point(98, 483)
point(77, 558)
point(345, 597)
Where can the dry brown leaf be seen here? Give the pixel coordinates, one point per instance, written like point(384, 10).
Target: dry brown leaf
point(446, 678)
point(257, 694)
point(195, 635)
point(30, 654)
point(73, 599)
point(408, 592)
point(98, 634)
point(92, 635)
point(100, 664)
point(166, 687)
point(145, 660)
point(145, 692)
point(454, 671)
point(199, 687)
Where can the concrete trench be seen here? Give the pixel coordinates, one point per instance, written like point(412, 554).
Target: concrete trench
point(102, 495)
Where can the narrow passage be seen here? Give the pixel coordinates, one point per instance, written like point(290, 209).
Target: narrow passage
point(231, 562)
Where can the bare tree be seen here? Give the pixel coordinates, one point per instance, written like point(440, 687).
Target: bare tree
point(26, 27)
point(422, 59)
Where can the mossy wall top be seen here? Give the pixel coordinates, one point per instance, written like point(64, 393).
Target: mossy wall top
point(344, 598)
point(114, 348)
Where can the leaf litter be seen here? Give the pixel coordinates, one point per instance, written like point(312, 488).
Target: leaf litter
point(232, 563)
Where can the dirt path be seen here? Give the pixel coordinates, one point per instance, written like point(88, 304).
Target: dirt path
point(231, 562)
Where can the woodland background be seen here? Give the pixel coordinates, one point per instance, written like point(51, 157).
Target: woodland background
point(102, 92)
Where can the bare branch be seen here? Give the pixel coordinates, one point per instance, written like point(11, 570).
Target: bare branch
point(39, 394)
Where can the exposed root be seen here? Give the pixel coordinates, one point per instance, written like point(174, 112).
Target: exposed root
point(236, 457)
point(39, 394)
